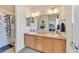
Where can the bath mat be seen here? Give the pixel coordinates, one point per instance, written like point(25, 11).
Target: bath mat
point(4, 48)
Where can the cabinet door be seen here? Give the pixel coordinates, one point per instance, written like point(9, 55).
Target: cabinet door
point(39, 43)
point(26, 40)
point(30, 41)
point(59, 46)
point(47, 45)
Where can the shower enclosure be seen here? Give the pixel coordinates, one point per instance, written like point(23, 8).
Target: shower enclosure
point(7, 29)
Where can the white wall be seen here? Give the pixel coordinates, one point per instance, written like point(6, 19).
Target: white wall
point(67, 14)
point(8, 9)
point(76, 24)
point(20, 23)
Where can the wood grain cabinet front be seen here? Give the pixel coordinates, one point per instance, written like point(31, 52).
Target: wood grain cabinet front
point(45, 44)
point(39, 43)
point(30, 41)
point(59, 46)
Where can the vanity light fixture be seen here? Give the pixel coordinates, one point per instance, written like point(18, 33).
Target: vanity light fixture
point(35, 14)
point(55, 10)
point(27, 16)
point(52, 11)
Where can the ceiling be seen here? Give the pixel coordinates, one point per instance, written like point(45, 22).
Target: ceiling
point(42, 9)
point(8, 7)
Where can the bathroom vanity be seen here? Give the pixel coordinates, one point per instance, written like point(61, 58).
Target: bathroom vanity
point(42, 34)
point(46, 43)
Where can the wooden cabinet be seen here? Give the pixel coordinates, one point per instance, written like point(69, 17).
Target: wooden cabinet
point(39, 43)
point(45, 44)
point(59, 46)
point(30, 41)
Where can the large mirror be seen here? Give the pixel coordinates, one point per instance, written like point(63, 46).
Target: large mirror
point(27, 21)
point(30, 22)
point(45, 24)
point(42, 24)
point(52, 23)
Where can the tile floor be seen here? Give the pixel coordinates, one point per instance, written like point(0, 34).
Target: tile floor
point(28, 50)
point(24, 50)
point(11, 50)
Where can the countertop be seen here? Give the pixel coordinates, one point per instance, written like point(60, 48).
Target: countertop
point(56, 36)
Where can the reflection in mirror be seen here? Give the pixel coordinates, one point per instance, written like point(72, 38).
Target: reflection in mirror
point(52, 22)
point(28, 21)
point(45, 23)
point(42, 24)
point(32, 24)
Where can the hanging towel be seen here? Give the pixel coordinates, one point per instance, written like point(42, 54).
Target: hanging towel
point(58, 27)
point(62, 27)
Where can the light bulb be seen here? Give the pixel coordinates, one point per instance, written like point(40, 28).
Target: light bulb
point(27, 16)
point(50, 11)
point(37, 14)
point(33, 14)
point(55, 10)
